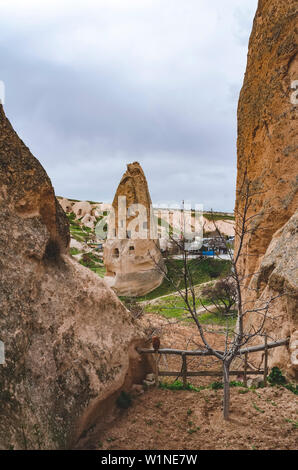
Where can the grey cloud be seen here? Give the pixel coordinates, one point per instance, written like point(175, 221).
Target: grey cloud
point(86, 108)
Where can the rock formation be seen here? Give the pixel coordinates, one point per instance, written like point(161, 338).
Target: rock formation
point(226, 227)
point(131, 261)
point(89, 220)
point(69, 342)
point(277, 278)
point(267, 158)
point(65, 204)
point(81, 209)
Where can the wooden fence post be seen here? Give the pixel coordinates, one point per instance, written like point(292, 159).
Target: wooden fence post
point(266, 361)
point(184, 370)
point(156, 370)
point(245, 370)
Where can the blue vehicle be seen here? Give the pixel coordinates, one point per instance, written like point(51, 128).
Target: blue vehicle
point(208, 253)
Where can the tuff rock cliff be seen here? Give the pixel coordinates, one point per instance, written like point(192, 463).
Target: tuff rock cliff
point(132, 260)
point(69, 342)
point(267, 158)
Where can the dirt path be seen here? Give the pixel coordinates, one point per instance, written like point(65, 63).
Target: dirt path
point(165, 419)
point(197, 288)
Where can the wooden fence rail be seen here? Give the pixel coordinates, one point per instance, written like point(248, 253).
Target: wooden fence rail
point(214, 373)
point(199, 352)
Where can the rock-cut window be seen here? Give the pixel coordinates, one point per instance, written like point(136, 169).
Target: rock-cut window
point(115, 253)
point(131, 250)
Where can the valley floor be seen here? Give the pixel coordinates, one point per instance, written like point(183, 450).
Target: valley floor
point(163, 419)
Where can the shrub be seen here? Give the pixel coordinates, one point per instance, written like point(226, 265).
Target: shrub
point(276, 378)
point(216, 385)
point(74, 251)
point(222, 295)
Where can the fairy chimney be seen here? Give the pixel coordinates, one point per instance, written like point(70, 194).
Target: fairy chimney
point(69, 342)
point(131, 254)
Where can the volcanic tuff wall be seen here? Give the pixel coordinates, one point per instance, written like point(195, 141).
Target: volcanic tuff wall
point(267, 157)
point(69, 342)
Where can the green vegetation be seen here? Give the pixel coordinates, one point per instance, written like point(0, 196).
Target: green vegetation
point(72, 200)
point(291, 421)
point(74, 251)
point(100, 271)
point(158, 404)
point(276, 378)
point(234, 383)
point(216, 385)
point(257, 408)
point(218, 216)
point(202, 271)
point(149, 421)
point(85, 234)
point(243, 391)
point(217, 319)
point(78, 231)
point(192, 430)
point(178, 385)
point(173, 306)
point(93, 262)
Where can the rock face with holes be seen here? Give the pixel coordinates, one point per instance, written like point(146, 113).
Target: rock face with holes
point(81, 209)
point(132, 256)
point(267, 158)
point(65, 204)
point(69, 342)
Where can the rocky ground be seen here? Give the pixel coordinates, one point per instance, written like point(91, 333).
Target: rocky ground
point(264, 418)
point(163, 419)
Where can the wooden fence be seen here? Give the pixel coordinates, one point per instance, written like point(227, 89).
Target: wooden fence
point(184, 373)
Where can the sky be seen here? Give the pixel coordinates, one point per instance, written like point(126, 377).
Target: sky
point(93, 85)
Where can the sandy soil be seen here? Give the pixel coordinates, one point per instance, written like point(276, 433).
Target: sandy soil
point(164, 419)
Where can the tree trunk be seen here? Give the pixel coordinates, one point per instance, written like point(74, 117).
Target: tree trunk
point(226, 399)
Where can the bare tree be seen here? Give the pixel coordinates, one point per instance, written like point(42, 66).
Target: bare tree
point(231, 288)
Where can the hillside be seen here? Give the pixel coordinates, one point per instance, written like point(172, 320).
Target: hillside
point(171, 418)
point(86, 248)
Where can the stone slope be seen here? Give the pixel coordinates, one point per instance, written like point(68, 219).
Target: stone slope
point(277, 282)
point(69, 342)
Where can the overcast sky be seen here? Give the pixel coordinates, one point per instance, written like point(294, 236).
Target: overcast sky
point(92, 85)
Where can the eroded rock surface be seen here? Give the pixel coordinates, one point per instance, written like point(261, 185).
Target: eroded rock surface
point(69, 342)
point(276, 282)
point(267, 125)
point(267, 158)
point(132, 263)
